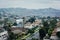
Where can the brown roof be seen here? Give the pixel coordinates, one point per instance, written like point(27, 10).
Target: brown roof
point(54, 31)
point(18, 28)
point(58, 24)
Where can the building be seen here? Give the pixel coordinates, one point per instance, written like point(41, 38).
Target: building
point(58, 24)
point(57, 29)
point(3, 34)
point(54, 36)
point(32, 25)
point(18, 30)
point(19, 23)
point(28, 25)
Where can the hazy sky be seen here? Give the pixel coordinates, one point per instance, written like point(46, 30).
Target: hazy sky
point(31, 4)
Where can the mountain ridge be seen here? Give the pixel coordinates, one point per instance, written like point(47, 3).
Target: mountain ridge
point(29, 12)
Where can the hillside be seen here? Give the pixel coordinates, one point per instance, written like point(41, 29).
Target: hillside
point(30, 12)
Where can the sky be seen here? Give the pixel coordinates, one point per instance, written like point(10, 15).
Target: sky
point(30, 4)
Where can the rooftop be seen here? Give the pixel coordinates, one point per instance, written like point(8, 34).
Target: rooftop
point(17, 30)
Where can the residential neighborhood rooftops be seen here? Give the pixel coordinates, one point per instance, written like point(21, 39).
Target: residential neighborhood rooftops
point(17, 30)
point(32, 25)
point(3, 34)
point(54, 36)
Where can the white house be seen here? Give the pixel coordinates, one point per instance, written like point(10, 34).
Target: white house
point(3, 34)
point(19, 23)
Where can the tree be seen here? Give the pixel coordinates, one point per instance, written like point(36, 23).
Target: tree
point(15, 24)
point(32, 19)
point(50, 31)
point(34, 39)
point(10, 33)
point(53, 23)
point(45, 23)
point(58, 34)
point(23, 39)
point(48, 17)
point(42, 33)
point(46, 26)
point(7, 26)
point(30, 31)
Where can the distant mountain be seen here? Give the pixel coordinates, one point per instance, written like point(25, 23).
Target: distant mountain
point(31, 12)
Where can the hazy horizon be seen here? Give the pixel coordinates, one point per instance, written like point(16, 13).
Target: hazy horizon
point(30, 4)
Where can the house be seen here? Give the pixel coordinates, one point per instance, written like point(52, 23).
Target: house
point(18, 30)
point(54, 36)
point(32, 25)
point(58, 20)
point(3, 34)
point(19, 23)
point(37, 22)
point(58, 24)
point(57, 29)
point(28, 25)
